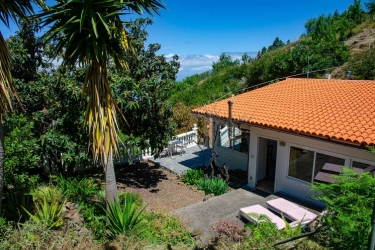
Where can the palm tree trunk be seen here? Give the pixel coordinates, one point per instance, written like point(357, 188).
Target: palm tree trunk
point(111, 192)
point(2, 160)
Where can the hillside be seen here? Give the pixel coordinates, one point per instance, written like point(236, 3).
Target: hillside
point(326, 48)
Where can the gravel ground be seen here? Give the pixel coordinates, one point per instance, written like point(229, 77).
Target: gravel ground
point(162, 191)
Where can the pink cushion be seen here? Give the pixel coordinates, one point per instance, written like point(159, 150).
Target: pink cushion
point(258, 209)
point(281, 205)
point(370, 169)
point(301, 214)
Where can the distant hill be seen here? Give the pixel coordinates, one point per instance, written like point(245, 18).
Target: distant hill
point(326, 47)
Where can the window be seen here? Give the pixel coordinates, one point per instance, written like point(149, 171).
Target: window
point(304, 163)
point(241, 144)
point(301, 162)
point(322, 159)
point(360, 165)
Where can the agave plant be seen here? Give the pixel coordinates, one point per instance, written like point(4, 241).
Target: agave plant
point(123, 219)
point(91, 33)
point(48, 214)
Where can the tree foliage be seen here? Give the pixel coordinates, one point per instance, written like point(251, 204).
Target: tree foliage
point(362, 65)
point(142, 91)
point(51, 100)
point(349, 201)
point(23, 153)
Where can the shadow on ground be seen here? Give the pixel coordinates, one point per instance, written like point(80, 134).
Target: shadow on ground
point(140, 175)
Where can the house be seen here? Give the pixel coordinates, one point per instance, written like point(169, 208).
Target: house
point(284, 133)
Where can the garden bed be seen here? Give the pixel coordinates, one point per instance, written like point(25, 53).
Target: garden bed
point(161, 190)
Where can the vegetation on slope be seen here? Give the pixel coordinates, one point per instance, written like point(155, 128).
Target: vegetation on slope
point(317, 52)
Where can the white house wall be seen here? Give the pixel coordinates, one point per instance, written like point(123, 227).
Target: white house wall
point(238, 159)
point(290, 185)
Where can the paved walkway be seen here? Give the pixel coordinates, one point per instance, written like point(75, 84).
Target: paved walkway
point(195, 157)
point(201, 217)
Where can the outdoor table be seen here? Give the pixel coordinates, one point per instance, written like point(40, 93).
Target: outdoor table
point(171, 145)
point(337, 169)
point(325, 178)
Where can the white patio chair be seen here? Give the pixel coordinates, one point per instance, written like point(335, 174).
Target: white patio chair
point(182, 147)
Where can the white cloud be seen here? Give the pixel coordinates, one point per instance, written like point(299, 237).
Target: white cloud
point(169, 56)
point(202, 68)
point(196, 64)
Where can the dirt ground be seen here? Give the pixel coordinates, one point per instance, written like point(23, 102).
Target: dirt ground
point(161, 190)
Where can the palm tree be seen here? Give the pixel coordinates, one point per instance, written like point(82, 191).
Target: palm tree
point(9, 10)
point(93, 36)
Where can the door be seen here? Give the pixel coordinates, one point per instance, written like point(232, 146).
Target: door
point(266, 164)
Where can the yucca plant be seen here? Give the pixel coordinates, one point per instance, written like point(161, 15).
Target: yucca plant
point(48, 214)
point(125, 218)
point(90, 33)
point(216, 186)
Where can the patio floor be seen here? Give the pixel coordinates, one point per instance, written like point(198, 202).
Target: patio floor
point(201, 217)
point(195, 157)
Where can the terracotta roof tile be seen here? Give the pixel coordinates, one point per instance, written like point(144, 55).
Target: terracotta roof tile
point(336, 109)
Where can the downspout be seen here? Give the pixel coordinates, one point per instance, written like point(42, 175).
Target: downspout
point(230, 124)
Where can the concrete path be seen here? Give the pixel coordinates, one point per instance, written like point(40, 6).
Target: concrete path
point(201, 217)
point(195, 157)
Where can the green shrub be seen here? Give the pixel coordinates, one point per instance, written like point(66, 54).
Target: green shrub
point(48, 214)
point(216, 186)
point(349, 201)
point(192, 176)
point(160, 228)
point(263, 235)
point(50, 193)
point(136, 197)
point(123, 219)
point(22, 154)
point(77, 190)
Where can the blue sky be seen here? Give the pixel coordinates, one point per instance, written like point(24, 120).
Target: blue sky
point(199, 31)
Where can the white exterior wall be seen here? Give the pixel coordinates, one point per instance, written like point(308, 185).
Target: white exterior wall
point(290, 185)
point(239, 160)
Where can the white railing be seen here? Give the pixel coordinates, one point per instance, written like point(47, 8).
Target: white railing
point(128, 154)
point(189, 138)
point(133, 153)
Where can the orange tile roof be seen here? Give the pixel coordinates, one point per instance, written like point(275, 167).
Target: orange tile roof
point(337, 109)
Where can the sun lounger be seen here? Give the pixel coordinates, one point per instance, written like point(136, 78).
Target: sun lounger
point(291, 211)
point(258, 209)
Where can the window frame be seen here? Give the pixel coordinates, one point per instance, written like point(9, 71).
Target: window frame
point(348, 160)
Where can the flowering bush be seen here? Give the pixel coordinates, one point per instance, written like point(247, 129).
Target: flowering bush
point(228, 232)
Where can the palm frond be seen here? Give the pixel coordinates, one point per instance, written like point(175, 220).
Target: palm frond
point(15, 9)
point(6, 82)
point(93, 34)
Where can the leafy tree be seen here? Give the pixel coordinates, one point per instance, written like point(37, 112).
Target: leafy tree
point(362, 65)
point(15, 10)
point(224, 62)
point(94, 36)
point(246, 58)
point(143, 89)
point(22, 153)
point(55, 107)
point(278, 43)
point(370, 6)
point(263, 51)
point(349, 201)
